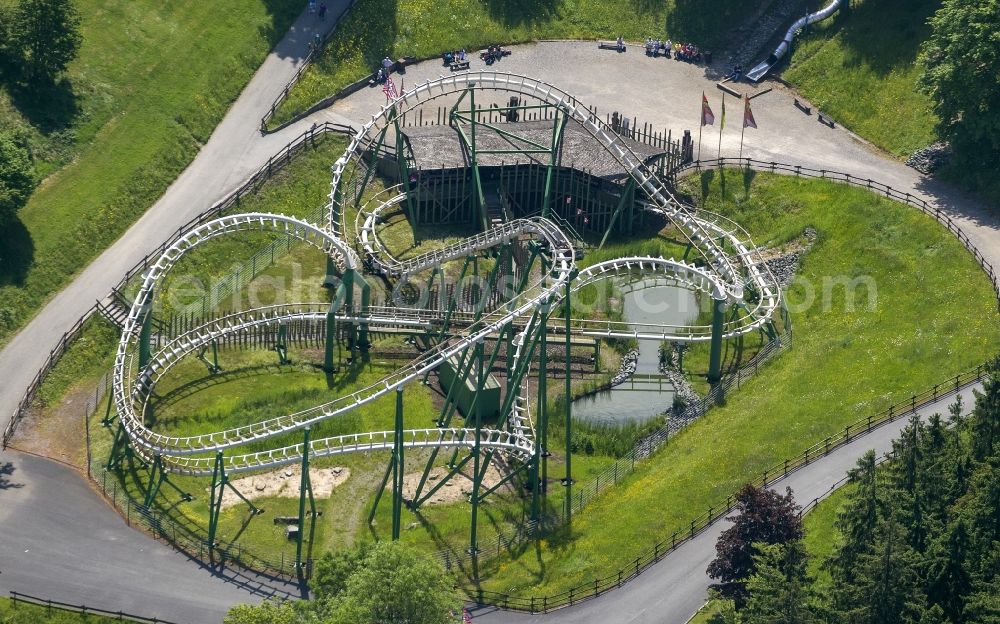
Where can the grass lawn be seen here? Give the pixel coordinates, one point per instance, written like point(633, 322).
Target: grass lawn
point(423, 28)
point(861, 68)
point(298, 190)
point(150, 84)
point(21, 613)
point(846, 363)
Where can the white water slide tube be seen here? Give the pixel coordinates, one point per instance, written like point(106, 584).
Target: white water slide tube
point(757, 73)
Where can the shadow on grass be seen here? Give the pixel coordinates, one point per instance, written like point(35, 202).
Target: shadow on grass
point(522, 12)
point(706, 23)
point(885, 34)
point(17, 253)
point(369, 28)
point(48, 106)
point(283, 14)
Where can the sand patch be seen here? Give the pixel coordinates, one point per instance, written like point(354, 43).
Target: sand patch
point(285, 482)
point(459, 488)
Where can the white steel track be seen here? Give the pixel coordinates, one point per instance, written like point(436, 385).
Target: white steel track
point(734, 272)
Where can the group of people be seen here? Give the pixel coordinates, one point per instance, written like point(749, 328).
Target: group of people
point(457, 56)
point(670, 49)
point(319, 10)
point(655, 47)
point(384, 70)
point(493, 53)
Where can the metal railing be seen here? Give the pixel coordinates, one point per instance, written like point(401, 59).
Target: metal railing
point(28, 398)
point(274, 164)
point(313, 52)
point(19, 598)
point(861, 182)
point(592, 589)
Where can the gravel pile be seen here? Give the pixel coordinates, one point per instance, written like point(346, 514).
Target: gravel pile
point(670, 368)
point(785, 265)
point(627, 367)
point(931, 158)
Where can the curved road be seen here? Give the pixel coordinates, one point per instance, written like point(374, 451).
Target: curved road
point(57, 533)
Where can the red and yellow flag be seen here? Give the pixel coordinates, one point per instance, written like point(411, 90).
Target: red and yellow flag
point(748, 120)
point(707, 116)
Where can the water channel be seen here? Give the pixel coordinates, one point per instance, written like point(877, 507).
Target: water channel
point(648, 393)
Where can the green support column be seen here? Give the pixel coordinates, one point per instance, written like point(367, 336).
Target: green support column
point(366, 293)
point(473, 541)
point(156, 477)
point(281, 346)
point(627, 192)
point(538, 469)
point(397, 462)
point(146, 332)
point(568, 481)
point(715, 353)
point(404, 171)
point(557, 127)
point(215, 500)
point(331, 340)
point(305, 484)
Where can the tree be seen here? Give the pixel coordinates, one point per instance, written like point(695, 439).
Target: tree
point(779, 588)
point(268, 612)
point(983, 606)
point(985, 420)
point(886, 587)
point(7, 55)
point(16, 176)
point(46, 33)
point(765, 517)
point(395, 585)
point(949, 581)
point(334, 569)
point(961, 62)
point(857, 522)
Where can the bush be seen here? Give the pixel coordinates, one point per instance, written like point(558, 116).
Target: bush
point(17, 177)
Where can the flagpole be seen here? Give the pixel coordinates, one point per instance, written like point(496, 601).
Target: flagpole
point(742, 132)
point(701, 126)
point(722, 126)
point(701, 123)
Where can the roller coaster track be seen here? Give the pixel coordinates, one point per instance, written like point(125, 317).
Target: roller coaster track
point(733, 272)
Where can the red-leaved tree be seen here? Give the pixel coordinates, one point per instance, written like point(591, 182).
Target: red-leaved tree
point(764, 517)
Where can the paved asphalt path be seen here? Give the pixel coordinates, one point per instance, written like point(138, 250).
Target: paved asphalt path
point(235, 150)
point(672, 590)
point(60, 540)
point(73, 533)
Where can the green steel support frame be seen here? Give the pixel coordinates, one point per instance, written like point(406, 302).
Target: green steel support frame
point(305, 487)
point(628, 196)
point(220, 481)
point(715, 350)
point(281, 345)
point(398, 467)
point(568, 480)
point(476, 453)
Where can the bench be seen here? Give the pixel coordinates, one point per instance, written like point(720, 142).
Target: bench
point(459, 65)
point(802, 107)
point(610, 45)
point(825, 120)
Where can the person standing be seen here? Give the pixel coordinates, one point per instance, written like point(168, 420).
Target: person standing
point(312, 6)
point(322, 11)
point(387, 66)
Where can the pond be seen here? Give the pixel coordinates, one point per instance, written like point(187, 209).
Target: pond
point(648, 393)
